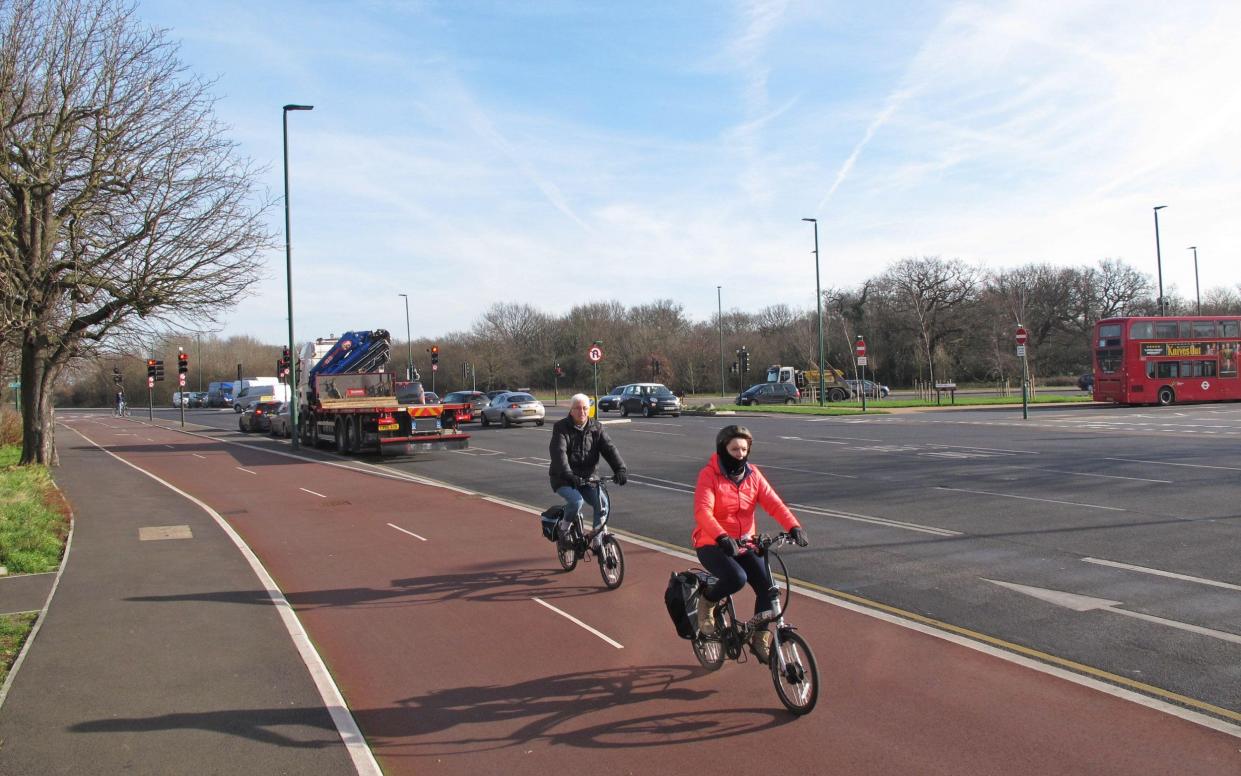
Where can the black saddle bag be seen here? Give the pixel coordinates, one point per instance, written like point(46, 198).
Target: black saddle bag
point(549, 520)
point(681, 599)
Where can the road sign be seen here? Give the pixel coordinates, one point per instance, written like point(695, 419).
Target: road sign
point(181, 379)
point(435, 367)
point(15, 384)
point(1021, 335)
point(860, 347)
point(150, 382)
point(595, 354)
point(1021, 351)
point(862, 360)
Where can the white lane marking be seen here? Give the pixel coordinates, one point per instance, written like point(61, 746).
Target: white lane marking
point(247, 471)
point(346, 726)
point(1085, 603)
point(876, 520)
point(1162, 573)
point(196, 455)
point(810, 471)
point(820, 441)
point(311, 492)
point(666, 482)
point(649, 423)
point(990, 449)
point(525, 463)
point(479, 451)
point(411, 533)
point(647, 431)
point(1031, 498)
point(663, 487)
point(576, 621)
point(1169, 463)
point(170, 447)
point(1108, 476)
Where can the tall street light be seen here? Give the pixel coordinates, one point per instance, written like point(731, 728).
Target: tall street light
point(818, 304)
point(719, 318)
point(409, 343)
point(1197, 293)
point(288, 267)
point(1159, 261)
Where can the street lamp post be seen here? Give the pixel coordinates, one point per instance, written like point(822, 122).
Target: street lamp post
point(818, 304)
point(1197, 292)
point(719, 319)
point(288, 266)
point(1159, 261)
point(409, 343)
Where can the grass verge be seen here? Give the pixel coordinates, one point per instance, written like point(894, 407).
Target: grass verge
point(878, 406)
point(34, 525)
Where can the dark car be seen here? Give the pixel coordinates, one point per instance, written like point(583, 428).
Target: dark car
point(649, 399)
point(258, 417)
point(769, 393)
point(612, 399)
point(1086, 382)
point(873, 390)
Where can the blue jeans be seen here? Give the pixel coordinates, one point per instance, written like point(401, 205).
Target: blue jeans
point(575, 498)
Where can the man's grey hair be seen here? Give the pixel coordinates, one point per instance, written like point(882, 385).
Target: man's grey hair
point(583, 398)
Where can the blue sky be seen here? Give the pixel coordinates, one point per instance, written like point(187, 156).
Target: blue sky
point(559, 152)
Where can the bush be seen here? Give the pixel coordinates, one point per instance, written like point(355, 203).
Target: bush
point(10, 427)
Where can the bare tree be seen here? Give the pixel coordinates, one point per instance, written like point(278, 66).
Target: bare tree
point(123, 207)
point(933, 294)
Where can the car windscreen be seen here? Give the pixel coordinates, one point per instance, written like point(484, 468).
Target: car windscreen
point(454, 398)
point(662, 393)
point(519, 398)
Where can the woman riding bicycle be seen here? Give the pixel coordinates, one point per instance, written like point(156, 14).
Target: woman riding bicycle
point(728, 491)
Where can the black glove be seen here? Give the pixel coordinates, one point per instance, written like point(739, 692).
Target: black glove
point(799, 536)
point(621, 476)
point(727, 545)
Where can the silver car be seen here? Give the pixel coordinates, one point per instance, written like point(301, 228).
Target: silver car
point(512, 407)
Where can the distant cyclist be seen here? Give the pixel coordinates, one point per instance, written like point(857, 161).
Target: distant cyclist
point(120, 402)
point(578, 441)
point(728, 491)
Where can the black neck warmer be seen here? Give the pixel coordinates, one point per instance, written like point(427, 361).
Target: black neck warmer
point(731, 466)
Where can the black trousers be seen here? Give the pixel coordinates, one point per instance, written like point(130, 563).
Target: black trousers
point(732, 574)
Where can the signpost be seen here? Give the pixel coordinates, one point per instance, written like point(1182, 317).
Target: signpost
point(595, 354)
point(1021, 338)
point(860, 349)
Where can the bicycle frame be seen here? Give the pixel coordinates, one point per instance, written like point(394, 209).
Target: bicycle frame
point(605, 509)
point(738, 633)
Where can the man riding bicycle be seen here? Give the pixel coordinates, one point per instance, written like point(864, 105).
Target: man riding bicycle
point(578, 441)
point(120, 402)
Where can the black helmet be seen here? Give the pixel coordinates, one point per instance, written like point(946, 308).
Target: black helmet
point(729, 433)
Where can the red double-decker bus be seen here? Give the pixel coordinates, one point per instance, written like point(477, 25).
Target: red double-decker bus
point(1165, 359)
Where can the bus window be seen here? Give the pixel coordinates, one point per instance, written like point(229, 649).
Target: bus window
point(1204, 329)
point(1161, 369)
point(1138, 330)
point(1230, 328)
point(1187, 329)
point(1165, 330)
point(1110, 360)
point(1208, 368)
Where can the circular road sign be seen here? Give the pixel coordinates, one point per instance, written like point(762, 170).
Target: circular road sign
point(1021, 335)
point(595, 354)
point(861, 348)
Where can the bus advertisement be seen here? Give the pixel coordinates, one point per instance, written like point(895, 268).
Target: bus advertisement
point(1162, 360)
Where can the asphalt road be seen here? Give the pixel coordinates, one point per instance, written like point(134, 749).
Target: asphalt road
point(1100, 539)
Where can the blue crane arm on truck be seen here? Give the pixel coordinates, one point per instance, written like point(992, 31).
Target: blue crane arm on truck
point(347, 400)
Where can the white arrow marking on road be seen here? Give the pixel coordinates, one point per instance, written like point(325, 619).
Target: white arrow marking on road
point(1085, 603)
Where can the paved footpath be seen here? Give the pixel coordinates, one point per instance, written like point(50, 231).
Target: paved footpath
point(113, 683)
point(445, 621)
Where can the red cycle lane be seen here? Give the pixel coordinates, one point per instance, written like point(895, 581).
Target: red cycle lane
point(425, 604)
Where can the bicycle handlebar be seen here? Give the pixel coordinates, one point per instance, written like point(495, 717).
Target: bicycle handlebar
point(764, 542)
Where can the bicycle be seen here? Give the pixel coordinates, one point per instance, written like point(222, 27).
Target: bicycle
point(574, 546)
point(794, 670)
point(121, 411)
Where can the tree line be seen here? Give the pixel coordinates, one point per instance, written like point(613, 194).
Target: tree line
point(923, 319)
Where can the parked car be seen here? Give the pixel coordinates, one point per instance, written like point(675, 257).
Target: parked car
point(258, 417)
point(1086, 382)
point(510, 407)
point(477, 399)
point(649, 399)
point(280, 422)
point(612, 399)
point(769, 393)
point(873, 390)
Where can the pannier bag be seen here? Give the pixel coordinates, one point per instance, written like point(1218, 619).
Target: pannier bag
point(549, 520)
point(681, 598)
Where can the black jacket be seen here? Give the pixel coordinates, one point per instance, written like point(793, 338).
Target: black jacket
point(576, 452)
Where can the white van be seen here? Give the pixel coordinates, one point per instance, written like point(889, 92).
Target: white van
point(247, 392)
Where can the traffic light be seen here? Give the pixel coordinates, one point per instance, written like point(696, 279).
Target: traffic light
point(557, 370)
point(116, 375)
point(183, 363)
point(150, 367)
point(283, 363)
point(435, 354)
point(155, 369)
point(743, 356)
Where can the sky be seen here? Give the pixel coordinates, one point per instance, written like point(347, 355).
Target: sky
point(554, 153)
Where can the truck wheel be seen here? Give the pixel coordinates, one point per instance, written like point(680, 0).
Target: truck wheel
point(836, 394)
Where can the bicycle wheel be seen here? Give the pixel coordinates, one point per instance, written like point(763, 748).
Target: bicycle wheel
point(611, 562)
point(567, 554)
point(795, 673)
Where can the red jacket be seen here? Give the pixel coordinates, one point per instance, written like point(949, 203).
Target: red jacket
point(722, 506)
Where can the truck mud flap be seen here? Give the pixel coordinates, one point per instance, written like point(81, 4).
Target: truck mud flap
point(410, 446)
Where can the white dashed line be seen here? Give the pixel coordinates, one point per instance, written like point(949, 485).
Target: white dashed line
point(1161, 573)
point(247, 471)
point(311, 492)
point(1030, 498)
point(578, 622)
point(411, 533)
